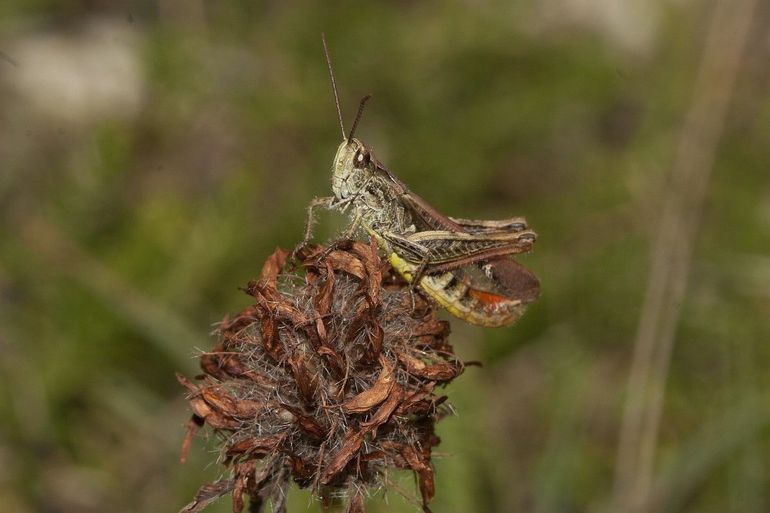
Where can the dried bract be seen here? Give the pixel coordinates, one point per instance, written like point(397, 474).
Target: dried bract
point(327, 380)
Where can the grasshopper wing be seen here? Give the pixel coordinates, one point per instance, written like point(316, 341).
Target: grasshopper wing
point(443, 250)
point(513, 279)
point(431, 219)
point(515, 224)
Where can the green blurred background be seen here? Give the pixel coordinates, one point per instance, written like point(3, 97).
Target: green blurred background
point(153, 153)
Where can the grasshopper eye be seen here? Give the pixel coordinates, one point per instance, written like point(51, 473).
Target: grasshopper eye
point(361, 158)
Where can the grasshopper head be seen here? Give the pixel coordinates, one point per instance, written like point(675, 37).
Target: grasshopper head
point(353, 164)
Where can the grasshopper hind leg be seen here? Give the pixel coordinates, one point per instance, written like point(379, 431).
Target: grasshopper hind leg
point(416, 278)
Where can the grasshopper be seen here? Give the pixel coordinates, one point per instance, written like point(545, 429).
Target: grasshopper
point(463, 264)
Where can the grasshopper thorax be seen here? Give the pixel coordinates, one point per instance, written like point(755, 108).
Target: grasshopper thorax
point(352, 167)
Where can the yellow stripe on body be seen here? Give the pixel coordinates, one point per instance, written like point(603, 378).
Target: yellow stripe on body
point(458, 304)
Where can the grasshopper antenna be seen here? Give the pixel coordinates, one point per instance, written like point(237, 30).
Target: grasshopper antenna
point(334, 83)
point(358, 115)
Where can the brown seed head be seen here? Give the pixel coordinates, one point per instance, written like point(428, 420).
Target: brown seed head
point(327, 380)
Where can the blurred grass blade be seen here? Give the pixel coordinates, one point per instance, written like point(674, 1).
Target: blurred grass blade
point(672, 252)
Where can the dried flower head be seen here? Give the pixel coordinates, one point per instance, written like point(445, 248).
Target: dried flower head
point(328, 380)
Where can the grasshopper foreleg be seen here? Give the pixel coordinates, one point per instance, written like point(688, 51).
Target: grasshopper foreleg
point(346, 235)
point(325, 202)
point(352, 227)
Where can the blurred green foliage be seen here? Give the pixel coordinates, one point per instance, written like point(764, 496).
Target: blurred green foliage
point(124, 237)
